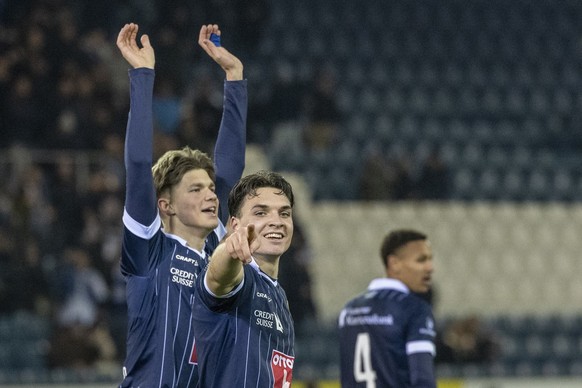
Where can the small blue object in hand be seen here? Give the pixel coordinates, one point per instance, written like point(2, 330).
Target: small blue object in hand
point(215, 39)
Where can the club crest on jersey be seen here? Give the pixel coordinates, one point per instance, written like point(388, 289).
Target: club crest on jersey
point(282, 367)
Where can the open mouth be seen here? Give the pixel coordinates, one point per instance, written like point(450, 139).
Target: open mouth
point(274, 236)
point(210, 210)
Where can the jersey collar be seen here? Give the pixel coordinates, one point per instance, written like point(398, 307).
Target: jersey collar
point(256, 267)
point(185, 243)
point(393, 284)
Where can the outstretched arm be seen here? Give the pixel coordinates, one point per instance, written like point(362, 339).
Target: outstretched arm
point(140, 200)
point(229, 152)
point(225, 270)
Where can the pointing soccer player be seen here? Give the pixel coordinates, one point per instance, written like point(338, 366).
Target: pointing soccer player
point(244, 329)
point(387, 333)
point(171, 221)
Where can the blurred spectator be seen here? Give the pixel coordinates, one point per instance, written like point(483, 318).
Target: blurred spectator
point(204, 116)
point(22, 112)
point(279, 107)
point(18, 274)
point(322, 111)
point(81, 339)
point(85, 290)
point(166, 106)
point(65, 196)
point(287, 96)
point(434, 181)
point(466, 340)
point(383, 178)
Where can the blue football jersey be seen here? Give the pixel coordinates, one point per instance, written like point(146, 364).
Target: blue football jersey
point(160, 345)
point(379, 330)
point(245, 338)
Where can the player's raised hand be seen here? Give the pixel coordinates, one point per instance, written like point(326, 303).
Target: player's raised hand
point(229, 63)
point(133, 54)
point(241, 244)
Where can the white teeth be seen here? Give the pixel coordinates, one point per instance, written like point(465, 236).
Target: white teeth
point(274, 235)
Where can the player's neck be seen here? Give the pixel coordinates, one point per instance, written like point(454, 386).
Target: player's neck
point(195, 238)
point(269, 265)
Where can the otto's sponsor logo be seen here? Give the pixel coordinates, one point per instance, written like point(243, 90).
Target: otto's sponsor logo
point(282, 367)
point(187, 259)
point(194, 354)
point(269, 320)
point(182, 277)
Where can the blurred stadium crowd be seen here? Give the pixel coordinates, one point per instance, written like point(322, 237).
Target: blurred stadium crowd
point(400, 100)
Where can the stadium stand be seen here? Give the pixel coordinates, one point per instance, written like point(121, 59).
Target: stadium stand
point(493, 85)
point(484, 82)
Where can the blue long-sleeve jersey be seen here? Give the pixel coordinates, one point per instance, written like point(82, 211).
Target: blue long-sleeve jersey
point(246, 338)
point(160, 269)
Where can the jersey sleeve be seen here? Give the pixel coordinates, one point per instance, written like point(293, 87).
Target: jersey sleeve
point(420, 344)
point(229, 151)
point(421, 370)
point(420, 335)
point(140, 216)
point(223, 303)
point(140, 196)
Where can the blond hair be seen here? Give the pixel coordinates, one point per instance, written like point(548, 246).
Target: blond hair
point(171, 167)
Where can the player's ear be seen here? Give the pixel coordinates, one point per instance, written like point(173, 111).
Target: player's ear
point(234, 223)
point(392, 263)
point(165, 206)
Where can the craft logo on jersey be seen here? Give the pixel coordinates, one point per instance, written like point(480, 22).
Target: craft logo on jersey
point(267, 319)
point(264, 296)
point(282, 367)
point(188, 260)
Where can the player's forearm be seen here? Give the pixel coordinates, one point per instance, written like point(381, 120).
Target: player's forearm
point(140, 195)
point(139, 136)
point(422, 370)
point(224, 273)
point(229, 152)
point(235, 73)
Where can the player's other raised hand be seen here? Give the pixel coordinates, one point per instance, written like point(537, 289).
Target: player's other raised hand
point(136, 56)
point(229, 63)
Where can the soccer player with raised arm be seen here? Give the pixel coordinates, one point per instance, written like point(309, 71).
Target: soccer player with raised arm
point(387, 333)
point(171, 218)
point(242, 320)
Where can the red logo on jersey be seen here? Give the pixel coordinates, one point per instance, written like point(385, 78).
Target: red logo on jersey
point(282, 367)
point(194, 355)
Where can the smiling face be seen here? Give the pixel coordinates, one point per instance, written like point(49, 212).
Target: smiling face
point(270, 212)
point(412, 264)
point(191, 204)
